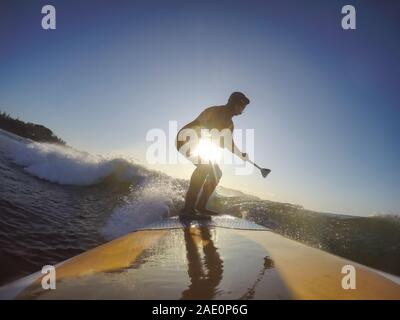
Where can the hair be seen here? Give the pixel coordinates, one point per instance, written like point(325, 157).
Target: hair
point(238, 97)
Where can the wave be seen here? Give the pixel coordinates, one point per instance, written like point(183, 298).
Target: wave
point(159, 197)
point(62, 164)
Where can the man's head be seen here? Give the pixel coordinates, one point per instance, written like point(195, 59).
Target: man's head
point(238, 102)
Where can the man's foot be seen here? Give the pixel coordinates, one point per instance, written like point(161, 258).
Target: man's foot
point(188, 213)
point(193, 216)
point(187, 210)
point(208, 212)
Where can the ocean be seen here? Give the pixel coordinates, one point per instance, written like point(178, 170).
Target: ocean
point(56, 202)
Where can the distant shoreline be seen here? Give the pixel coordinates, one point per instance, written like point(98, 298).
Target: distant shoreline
point(29, 130)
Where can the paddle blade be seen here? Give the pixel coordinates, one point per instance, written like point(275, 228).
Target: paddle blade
point(265, 172)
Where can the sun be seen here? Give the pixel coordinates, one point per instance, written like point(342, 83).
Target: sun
point(207, 151)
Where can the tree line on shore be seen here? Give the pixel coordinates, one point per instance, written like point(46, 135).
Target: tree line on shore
point(33, 131)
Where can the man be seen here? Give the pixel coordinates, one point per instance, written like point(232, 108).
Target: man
point(206, 176)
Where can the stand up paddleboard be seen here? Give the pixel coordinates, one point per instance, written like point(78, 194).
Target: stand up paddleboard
point(218, 258)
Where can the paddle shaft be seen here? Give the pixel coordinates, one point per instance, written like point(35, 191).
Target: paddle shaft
point(254, 164)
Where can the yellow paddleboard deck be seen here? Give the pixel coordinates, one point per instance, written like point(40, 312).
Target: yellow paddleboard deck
point(224, 258)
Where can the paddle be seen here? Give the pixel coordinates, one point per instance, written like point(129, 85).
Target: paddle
point(264, 171)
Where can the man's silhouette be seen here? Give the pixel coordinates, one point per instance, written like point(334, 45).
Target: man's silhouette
point(206, 176)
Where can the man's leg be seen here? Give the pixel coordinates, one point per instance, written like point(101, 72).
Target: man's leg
point(213, 178)
point(196, 182)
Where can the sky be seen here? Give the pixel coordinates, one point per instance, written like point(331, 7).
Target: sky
point(324, 101)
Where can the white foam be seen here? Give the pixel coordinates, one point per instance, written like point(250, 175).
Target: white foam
point(60, 164)
point(150, 204)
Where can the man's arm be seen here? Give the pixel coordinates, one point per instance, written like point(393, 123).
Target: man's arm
point(234, 149)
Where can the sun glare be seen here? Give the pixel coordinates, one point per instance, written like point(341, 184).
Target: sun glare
point(207, 151)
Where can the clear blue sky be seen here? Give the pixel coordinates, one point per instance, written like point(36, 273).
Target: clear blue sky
point(325, 102)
